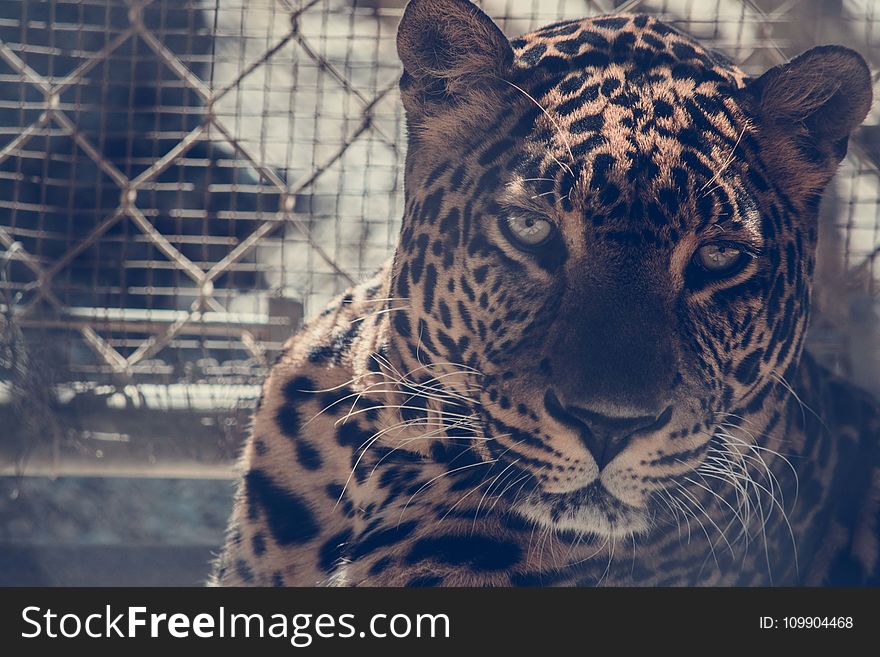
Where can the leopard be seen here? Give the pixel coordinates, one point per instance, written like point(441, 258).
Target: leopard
point(585, 363)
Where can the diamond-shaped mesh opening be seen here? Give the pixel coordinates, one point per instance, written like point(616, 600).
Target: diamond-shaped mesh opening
point(243, 33)
point(278, 111)
point(354, 230)
point(52, 196)
point(124, 269)
point(205, 204)
point(133, 108)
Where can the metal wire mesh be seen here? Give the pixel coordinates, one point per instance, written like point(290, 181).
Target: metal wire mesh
point(181, 182)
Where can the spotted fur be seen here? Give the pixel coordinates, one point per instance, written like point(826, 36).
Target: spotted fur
point(600, 409)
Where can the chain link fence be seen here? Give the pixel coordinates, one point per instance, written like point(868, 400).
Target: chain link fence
point(181, 182)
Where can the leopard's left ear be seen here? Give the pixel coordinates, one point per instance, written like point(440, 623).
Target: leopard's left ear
point(452, 53)
point(806, 110)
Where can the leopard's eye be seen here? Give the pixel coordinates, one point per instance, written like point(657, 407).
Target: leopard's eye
point(528, 232)
point(720, 259)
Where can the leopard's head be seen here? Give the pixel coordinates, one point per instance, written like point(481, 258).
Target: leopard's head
point(607, 246)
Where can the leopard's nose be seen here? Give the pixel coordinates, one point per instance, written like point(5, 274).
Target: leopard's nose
point(605, 436)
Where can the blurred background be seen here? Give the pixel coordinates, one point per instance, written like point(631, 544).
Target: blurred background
point(183, 181)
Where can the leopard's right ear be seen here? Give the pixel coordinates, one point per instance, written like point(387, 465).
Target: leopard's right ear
point(451, 52)
point(804, 112)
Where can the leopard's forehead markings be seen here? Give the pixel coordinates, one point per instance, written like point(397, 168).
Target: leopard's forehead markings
point(636, 122)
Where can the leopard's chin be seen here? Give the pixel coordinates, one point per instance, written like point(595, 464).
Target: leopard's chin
point(589, 511)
